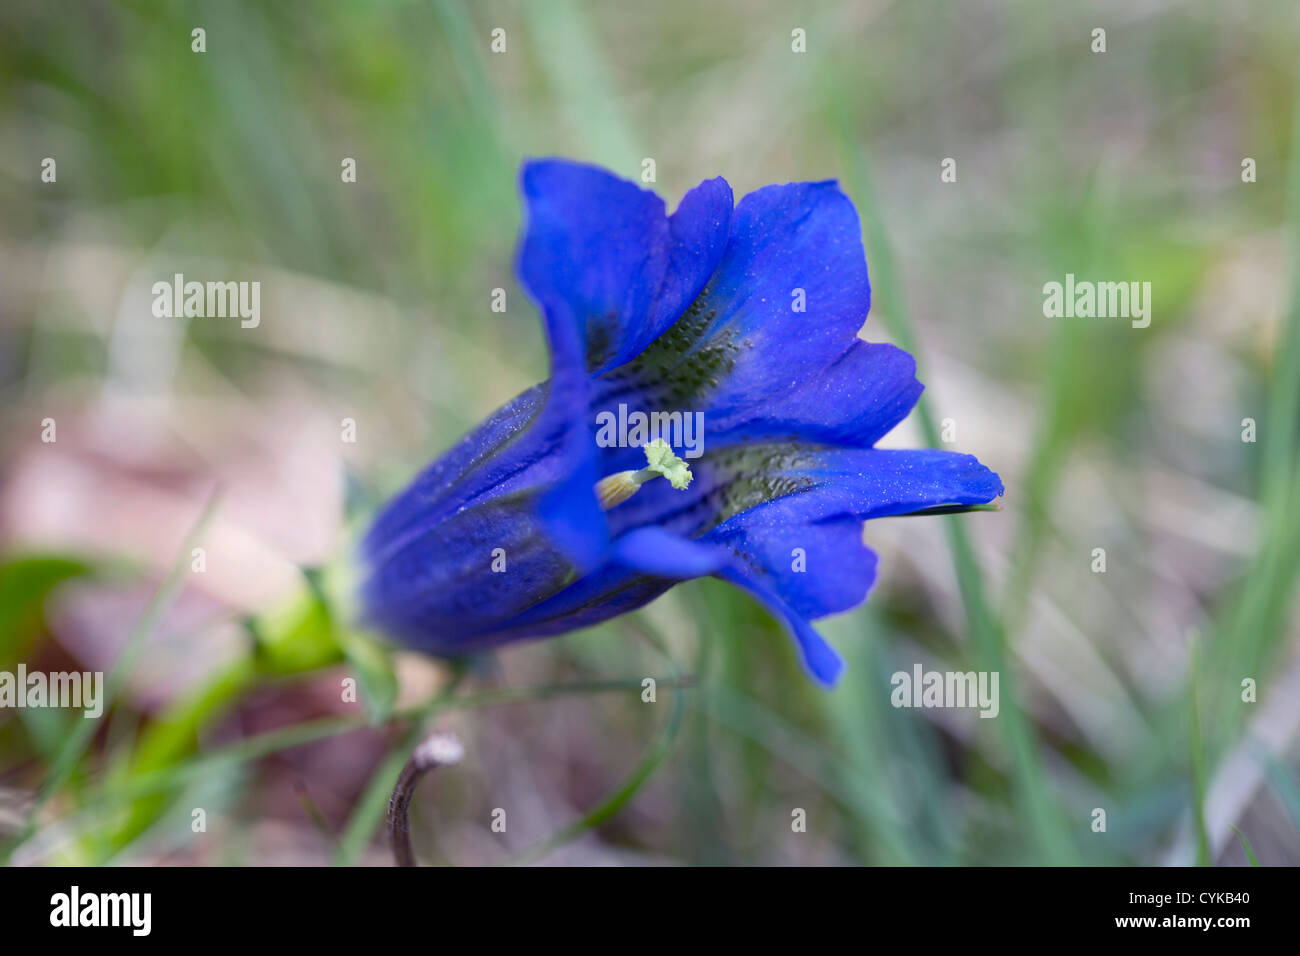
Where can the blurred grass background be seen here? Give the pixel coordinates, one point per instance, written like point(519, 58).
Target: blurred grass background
point(1120, 691)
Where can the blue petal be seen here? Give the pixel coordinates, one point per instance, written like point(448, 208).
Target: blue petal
point(657, 552)
point(657, 558)
point(813, 500)
point(639, 567)
point(818, 656)
point(611, 271)
point(571, 515)
point(454, 478)
point(435, 585)
point(854, 401)
point(876, 482)
point(741, 343)
point(819, 568)
point(652, 550)
point(608, 590)
point(604, 260)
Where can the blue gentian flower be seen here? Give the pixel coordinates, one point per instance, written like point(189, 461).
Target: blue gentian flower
point(529, 527)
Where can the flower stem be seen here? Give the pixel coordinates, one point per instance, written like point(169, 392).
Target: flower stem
point(437, 750)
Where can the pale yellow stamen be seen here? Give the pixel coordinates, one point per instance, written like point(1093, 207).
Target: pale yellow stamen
point(660, 461)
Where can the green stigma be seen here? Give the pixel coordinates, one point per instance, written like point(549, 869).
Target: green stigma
point(660, 462)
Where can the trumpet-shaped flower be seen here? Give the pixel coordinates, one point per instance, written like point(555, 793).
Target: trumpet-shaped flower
point(747, 313)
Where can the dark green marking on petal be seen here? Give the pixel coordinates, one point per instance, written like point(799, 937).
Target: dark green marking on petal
point(757, 474)
point(600, 340)
point(685, 363)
